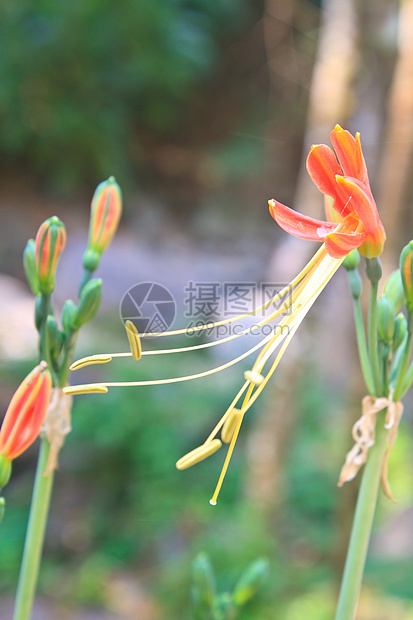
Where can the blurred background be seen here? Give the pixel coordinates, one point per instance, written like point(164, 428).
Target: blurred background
point(203, 110)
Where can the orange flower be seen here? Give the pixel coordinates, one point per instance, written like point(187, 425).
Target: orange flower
point(346, 182)
point(26, 413)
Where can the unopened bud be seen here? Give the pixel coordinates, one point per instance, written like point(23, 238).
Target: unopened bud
point(251, 580)
point(106, 210)
point(2, 508)
point(355, 282)
point(68, 315)
point(54, 336)
point(373, 269)
point(393, 289)
point(406, 264)
point(29, 264)
point(5, 470)
point(352, 260)
point(385, 319)
point(400, 331)
point(89, 303)
point(50, 241)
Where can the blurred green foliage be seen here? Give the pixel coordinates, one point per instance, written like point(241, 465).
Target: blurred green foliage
point(79, 79)
point(122, 510)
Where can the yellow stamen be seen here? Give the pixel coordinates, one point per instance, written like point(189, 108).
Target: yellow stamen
point(91, 388)
point(230, 424)
point(199, 454)
point(91, 359)
point(134, 340)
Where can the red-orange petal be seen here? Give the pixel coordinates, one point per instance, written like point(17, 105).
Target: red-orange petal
point(299, 225)
point(349, 153)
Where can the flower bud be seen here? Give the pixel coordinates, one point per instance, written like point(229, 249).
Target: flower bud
point(250, 581)
point(68, 315)
point(406, 260)
point(394, 290)
point(355, 281)
point(385, 319)
point(5, 471)
point(50, 241)
point(54, 336)
point(29, 264)
point(88, 303)
point(373, 269)
point(203, 589)
point(26, 413)
point(400, 331)
point(352, 260)
point(106, 210)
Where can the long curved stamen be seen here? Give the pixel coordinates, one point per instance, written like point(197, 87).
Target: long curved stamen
point(299, 283)
point(184, 378)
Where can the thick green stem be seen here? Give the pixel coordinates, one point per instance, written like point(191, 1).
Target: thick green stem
point(362, 524)
point(33, 544)
point(372, 335)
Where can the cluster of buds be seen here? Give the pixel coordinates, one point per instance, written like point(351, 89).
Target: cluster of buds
point(27, 411)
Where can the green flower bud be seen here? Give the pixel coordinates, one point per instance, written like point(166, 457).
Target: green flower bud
point(400, 331)
point(2, 508)
point(203, 589)
point(40, 311)
point(251, 580)
point(91, 260)
point(394, 290)
point(89, 303)
point(406, 264)
point(385, 320)
point(5, 470)
point(29, 264)
point(373, 269)
point(356, 284)
point(50, 241)
point(68, 316)
point(352, 260)
point(54, 336)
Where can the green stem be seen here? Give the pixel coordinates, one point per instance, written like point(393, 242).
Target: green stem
point(33, 544)
point(372, 335)
point(362, 347)
point(362, 524)
point(401, 377)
